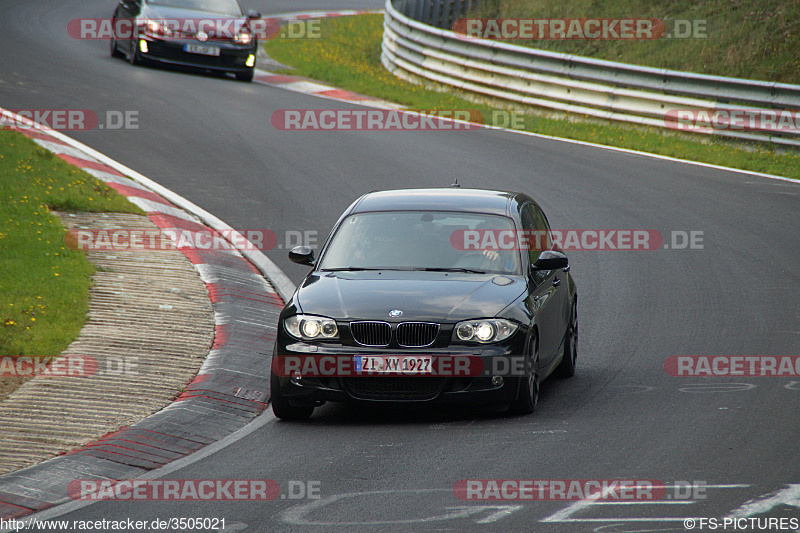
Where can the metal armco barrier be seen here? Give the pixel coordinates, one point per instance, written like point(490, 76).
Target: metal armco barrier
point(416, 45)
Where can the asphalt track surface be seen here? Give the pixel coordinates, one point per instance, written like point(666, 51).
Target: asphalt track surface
point(622, 417)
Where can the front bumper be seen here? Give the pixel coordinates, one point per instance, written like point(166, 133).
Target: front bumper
point(232, 57)
point(475, 386)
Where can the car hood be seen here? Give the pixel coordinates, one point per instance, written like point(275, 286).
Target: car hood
point(426, 296)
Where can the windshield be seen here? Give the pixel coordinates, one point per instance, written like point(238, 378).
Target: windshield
point(219, 7)
point(410, 240)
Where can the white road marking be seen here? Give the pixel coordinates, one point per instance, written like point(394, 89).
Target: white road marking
point(705, 388)
point(149, 206)
point(606, 527)
point(113, 178)
point(58, 148)
point(565, 515)
point(666, 502)
point(298, 515)
point(641, 388)
point(788, 496)
point(503, 511)
point(306, 87)
point(263, 419)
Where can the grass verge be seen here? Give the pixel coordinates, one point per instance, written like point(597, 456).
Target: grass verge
point(348, 56)
point(44, 285)
point(753, 40)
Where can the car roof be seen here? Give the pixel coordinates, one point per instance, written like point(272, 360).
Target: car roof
point(441, 199)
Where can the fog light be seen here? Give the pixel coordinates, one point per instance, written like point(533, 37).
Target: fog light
point(251, 60)
point(296, 377)
point(497, 381)
point(143, 46)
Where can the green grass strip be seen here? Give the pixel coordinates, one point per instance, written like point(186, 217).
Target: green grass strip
point(347, 55)
point(751, 40)
point(44, 285)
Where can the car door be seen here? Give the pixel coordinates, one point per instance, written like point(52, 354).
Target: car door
point(543, 285)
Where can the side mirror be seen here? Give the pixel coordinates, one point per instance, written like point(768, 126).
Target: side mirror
point(302, 255)
point(252, 14)
point(550, 260)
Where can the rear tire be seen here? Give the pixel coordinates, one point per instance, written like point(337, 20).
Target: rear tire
point(281, 407)
point(528, 394)
point(566, 369)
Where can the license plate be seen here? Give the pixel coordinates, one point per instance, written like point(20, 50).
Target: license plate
point(205, 50)
point(393, 364)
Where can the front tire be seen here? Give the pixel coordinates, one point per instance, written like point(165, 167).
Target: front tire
point(528, 394)
point(281, 406)
point(134, 57)
point(246, 76)
point(566, 369)
point(114, 50)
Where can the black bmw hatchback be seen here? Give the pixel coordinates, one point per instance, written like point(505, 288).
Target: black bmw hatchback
point(208, 34)
point(427, 295)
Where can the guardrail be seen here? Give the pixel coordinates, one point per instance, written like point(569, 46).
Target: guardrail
point(732, 107)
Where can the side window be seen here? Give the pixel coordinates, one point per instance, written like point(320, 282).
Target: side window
point(538, 238)
point(542, 226)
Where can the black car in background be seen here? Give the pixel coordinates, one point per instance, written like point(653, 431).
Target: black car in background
point(396, 296)
point(208, 34)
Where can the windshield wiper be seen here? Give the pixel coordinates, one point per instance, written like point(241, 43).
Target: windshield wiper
point(452, 269)
point(406, 269)
point(359, 269)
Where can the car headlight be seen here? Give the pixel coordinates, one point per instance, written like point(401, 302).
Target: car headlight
point(484, 330)
point(311, 328)
point(243, 37)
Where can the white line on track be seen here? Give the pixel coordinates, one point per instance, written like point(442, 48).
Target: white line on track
point(65, 508)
